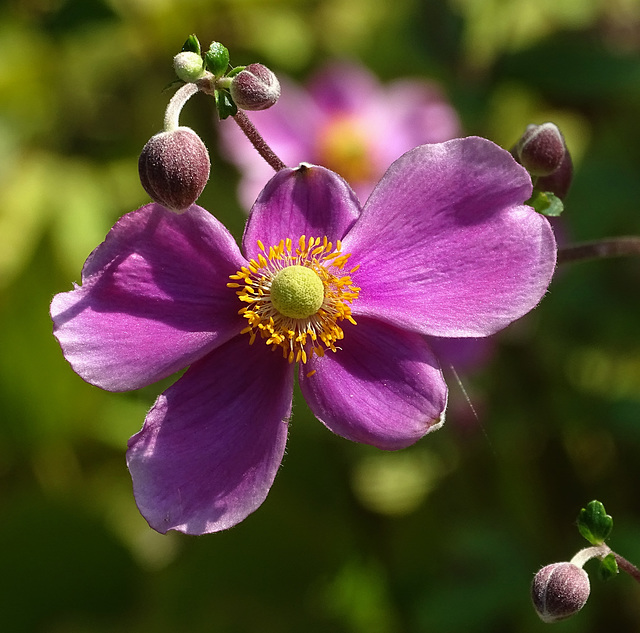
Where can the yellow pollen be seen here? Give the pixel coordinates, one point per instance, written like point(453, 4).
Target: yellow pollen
point(295, 295)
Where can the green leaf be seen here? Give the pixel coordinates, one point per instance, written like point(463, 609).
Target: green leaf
point(191, 45)
point(608, 567)
point(234, 71)
point(217, 59)
point(594, 523)
point(225, 105)
point(546, 203)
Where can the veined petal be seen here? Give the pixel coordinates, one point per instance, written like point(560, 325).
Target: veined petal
point(445, 245)
point(308, 200)
point(383, 387)
point(211, 445)
point(153, 299)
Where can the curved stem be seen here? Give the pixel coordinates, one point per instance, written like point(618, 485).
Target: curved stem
point(597, 551)
point(600, 551)
point(172, 113)
point(598, 249)
point(257, 141)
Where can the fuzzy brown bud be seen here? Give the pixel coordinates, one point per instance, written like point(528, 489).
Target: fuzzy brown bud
point(559, 591)
point(174, 168)
point(541, 149)
point(559, 181)
point(255, 88)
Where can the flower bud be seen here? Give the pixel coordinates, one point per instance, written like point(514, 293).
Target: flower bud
point(541, 149)
point(255, 88)
point(559, 591)
point(189, 66)
point(559, 181)
point(174, 168)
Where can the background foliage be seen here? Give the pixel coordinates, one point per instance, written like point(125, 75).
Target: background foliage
point(444, 536)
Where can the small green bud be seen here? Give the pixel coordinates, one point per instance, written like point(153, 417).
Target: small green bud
point(559, 591)
point(174, 168)
point(217, 59)
point(255, 88)
point(188, 66)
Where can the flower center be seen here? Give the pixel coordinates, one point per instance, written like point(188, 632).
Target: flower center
point(297, 292)
point(297, 296)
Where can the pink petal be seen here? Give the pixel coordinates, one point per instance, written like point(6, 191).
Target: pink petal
point(383, 387)
point(153, 299)
point(445, 245)
point(212, 444)
point(308, 200)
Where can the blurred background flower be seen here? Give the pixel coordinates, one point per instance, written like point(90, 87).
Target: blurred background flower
point(442, 537)
point(346, 120)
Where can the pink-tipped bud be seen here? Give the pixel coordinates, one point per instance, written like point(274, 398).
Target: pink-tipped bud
point(559, 591)
point(174, 168)
point(541, 149)
point(255, 88)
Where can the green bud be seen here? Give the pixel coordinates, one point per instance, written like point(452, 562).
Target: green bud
point(217, 59)
point(188, 66)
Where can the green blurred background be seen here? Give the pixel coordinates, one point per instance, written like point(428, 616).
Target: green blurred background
point(443, 537)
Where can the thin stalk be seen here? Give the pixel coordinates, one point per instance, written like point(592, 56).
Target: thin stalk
point(599, 249)
point(257, 141)
point(600, 551)
point(630, 568)
point(175, 105)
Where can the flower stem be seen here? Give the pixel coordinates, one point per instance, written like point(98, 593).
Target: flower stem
point(172, 113)
point(257, 141)
point(600, 551)
point(599, 249)
point(630, 568)
point(597, 551)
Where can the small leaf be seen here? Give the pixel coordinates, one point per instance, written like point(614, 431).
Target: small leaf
point(225, 105)
point(217, 59)
point(608, 567)
point(192, 45)
point(546, 203)
point(594, 523)
point(234, 71)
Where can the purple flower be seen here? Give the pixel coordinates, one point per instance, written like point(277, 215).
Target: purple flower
point(444, 247)
point(348, 122)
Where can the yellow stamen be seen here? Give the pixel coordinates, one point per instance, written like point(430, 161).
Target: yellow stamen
point(309, 326)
